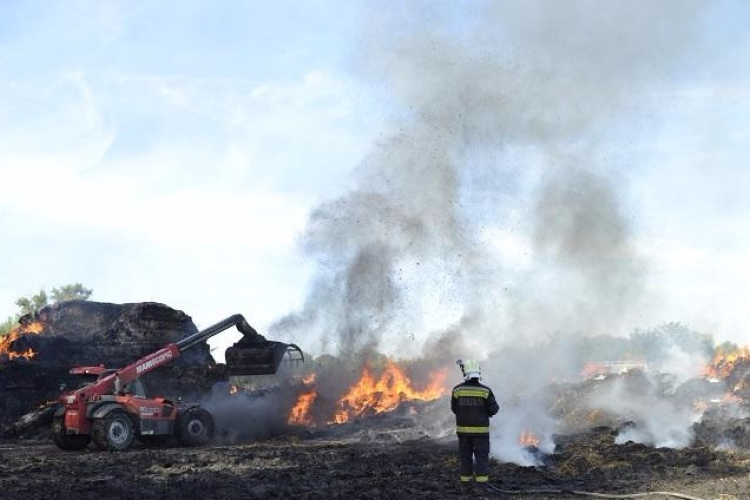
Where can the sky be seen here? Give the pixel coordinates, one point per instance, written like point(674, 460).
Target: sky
point(346, 173)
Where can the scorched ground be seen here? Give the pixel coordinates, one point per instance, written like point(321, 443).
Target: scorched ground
point(380, 457)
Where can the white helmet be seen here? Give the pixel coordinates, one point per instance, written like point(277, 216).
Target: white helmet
point(471, 369)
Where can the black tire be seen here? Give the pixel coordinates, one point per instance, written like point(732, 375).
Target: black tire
point(67, 442)
point(113, 432)
point(194, 427)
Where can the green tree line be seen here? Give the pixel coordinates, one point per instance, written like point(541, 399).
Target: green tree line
point(32, 303)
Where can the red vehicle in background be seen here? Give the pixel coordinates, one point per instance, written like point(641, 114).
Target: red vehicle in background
point(113, 408)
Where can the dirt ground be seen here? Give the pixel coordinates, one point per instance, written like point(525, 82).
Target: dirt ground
point(332, 466)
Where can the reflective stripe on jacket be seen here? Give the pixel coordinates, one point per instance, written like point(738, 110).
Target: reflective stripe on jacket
point(473, 404)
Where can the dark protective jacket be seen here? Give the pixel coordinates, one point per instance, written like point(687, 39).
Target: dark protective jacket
point(473, 404)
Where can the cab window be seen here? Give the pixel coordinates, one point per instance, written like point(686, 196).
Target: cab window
point(136, 388)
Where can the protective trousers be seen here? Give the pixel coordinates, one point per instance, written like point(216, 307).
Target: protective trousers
point(474, 455)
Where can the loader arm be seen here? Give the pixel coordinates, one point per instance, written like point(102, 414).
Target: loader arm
point(252, 355)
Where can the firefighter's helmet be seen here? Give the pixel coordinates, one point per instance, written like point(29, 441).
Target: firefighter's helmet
point(471, 369)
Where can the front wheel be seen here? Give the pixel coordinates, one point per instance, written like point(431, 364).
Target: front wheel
point(68, 442)
point(195, 427)
point(114, 431)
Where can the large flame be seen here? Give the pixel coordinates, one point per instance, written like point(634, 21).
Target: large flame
point(31, 328)
point(369, 395)
point(725, 361)
point(393, 387)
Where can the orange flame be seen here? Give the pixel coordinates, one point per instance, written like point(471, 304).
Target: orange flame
point(528, 439)
point(700, 405)
point(730, 398)
point(724, 362)
point(592, 369)
point(393, 387)
point(32, 328)
point(300, 414)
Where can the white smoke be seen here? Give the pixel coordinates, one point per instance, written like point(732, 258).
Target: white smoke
point(513, 424)
point(507, 122)
point(659, 422)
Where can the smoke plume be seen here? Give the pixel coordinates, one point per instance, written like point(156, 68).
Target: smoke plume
point(493, 213)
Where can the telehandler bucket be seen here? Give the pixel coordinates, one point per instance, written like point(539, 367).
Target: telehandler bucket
point(257, 356)
point(252, 354)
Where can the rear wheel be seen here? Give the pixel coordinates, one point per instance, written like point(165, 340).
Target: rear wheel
point(66, 441)
point(194, 427)
point(114, 431)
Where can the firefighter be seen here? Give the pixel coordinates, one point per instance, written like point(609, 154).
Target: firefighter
point(473, 404)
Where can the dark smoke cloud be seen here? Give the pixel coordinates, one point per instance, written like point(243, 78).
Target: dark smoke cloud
point(248, 417)
point(544, 76)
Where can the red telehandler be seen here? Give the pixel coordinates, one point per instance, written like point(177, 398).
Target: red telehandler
point(114, 409)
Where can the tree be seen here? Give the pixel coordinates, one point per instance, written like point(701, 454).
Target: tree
point(31, 304)
point(7, 325)
point(654, 345)
point(28, 305)
point(70, 292)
